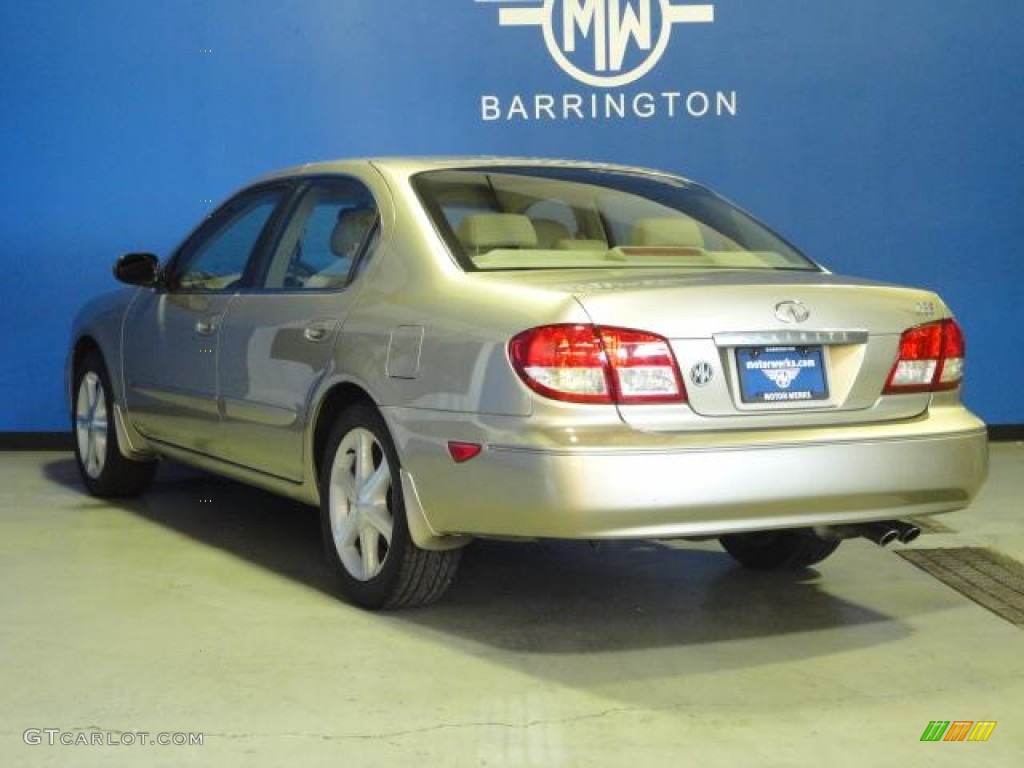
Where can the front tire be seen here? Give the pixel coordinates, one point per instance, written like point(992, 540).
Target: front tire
point(778, 550)
point(104, 470)
point(363, 520)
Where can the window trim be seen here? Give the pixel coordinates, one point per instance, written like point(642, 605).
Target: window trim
point(442, 227)
point(169, 273)
point(300, 189)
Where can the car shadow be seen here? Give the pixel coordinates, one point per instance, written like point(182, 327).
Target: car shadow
point(548, 599)
point(274, 533)
point(567, 597)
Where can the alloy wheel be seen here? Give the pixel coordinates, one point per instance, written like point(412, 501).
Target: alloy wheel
point(91, 423)
point(362, 521)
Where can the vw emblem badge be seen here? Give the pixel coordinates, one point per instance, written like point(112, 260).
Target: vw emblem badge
point(792, 311)
point(702, 373)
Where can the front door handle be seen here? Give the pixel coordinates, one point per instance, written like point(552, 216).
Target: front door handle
point(205, 326)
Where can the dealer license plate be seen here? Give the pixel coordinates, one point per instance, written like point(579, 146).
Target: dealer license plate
point(781, 374)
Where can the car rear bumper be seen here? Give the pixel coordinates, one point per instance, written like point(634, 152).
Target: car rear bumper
point(658, 486)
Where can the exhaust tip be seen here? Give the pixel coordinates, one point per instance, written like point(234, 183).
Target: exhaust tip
point(888, 537)
point(881, 533)
point(908, 532)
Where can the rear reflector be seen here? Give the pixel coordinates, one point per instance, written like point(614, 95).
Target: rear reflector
point(931, 359)
point(597, 364)
point(461, 452)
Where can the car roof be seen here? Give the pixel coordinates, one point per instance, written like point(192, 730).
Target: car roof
point(410, 166)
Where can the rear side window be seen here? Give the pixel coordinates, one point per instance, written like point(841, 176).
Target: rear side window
point(332, 228)
point(506, 218)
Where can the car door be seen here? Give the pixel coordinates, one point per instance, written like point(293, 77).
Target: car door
point(171, 333)
point(277, 340)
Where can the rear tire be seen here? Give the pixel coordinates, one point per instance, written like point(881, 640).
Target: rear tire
point(104, 470)
point(363, 520)
point(776, 550)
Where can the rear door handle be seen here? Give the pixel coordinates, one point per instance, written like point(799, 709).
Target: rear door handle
point(319, 330)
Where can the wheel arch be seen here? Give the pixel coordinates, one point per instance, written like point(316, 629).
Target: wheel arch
point(127, 470)
point(335, 400)
point(130, 443)
point(83, 346)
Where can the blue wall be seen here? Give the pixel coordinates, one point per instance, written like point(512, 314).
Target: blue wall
point(883, 136)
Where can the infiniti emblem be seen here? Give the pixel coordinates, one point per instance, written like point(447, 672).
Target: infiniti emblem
point(702, 373)
point(792, 311)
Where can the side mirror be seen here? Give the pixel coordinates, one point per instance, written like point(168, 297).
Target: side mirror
point(138, 269)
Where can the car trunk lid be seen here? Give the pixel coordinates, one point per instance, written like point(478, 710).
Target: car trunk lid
point(769, 349)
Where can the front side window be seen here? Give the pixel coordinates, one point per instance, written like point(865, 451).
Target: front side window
point(333, 226)
point(215, 258)
point(515, 217)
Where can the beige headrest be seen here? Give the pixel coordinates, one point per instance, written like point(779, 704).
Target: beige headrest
point(549, 232)
point(484, 231)
point(669, 231)
point(350, 231)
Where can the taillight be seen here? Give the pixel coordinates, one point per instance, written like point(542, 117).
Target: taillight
point(597, 364)
point(643, 367)
point(931, 359)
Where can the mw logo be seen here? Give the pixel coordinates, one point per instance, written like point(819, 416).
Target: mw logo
point(782, 377)
point(604, 43)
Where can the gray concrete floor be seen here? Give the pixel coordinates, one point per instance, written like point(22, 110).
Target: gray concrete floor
point(206, 607)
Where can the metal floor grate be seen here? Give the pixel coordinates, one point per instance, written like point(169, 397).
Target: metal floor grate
point(990, 579)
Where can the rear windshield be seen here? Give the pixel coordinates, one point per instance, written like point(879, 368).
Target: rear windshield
point(570, 218)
